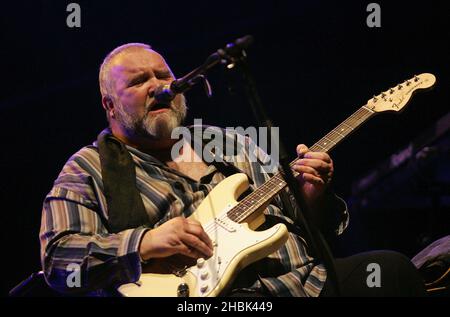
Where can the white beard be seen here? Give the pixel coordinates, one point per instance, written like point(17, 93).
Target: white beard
point(158, 126)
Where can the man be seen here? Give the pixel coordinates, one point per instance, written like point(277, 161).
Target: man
point(94, 218)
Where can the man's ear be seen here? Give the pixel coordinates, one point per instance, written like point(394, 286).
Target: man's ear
point(108, 105)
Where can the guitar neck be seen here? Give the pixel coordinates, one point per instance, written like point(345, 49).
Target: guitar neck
point(267, 191)
point(339, 133)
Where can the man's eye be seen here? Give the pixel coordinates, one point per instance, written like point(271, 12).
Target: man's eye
point(164, 76)
point(137, 82)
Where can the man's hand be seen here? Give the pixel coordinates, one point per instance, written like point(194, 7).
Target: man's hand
point(315, 173)
point(176, 236)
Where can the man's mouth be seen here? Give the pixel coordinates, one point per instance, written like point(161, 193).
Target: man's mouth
point(159, 106)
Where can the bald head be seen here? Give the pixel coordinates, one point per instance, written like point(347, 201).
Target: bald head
point(104, 78)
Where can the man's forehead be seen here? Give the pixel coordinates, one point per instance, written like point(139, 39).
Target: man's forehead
point(137, 60)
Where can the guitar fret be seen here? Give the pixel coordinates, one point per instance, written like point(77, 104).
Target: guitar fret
point(252, 204)
point(348, 126)
point(329, 140)
point(369, 110)
point(358, 119)
point(340, 133)
point(320, 146)
point(333, 136)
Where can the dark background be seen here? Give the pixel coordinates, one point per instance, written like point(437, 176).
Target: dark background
point(315, 63)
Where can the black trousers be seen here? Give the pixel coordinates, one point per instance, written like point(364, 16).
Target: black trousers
point(375, 274)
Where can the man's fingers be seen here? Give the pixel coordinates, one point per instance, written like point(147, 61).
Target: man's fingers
point(195, 228)
point(319, 156)
point(319, 165)
point(304, 152)
point(313, 179)
point(306, 169)
point(189, 251)
point(301, 150)
point(192, 241)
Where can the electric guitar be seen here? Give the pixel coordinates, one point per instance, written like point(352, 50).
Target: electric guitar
point(230, 223)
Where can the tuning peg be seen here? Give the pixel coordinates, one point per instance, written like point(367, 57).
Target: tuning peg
point(408, 83)
point(416, 78)
point(391, 91)
point(400, 87)
point(375, 99)
point(383, 95)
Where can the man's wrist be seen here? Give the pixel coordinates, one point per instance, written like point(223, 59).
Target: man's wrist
point(141, 249)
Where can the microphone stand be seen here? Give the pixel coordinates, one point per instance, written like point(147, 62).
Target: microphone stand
point(237, 57)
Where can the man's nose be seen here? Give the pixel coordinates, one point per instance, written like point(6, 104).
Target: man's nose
point(151, 92)
point(155, 83)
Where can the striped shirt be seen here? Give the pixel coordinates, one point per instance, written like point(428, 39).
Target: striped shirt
point(74, 228)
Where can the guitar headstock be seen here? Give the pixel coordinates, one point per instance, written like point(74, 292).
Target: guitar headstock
point(395, 98)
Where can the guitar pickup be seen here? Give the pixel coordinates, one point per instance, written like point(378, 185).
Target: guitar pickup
point(227, 225)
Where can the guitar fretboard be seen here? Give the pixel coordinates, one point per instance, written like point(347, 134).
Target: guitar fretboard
point(267, 191)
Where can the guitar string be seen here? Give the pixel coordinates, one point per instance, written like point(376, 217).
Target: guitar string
point(276, 178)
point(239, 214)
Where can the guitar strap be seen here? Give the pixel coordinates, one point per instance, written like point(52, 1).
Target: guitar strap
point(125, 207)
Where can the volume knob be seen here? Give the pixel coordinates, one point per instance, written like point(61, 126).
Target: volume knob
point(204, 275)
point(200, 262)
point(204, 288)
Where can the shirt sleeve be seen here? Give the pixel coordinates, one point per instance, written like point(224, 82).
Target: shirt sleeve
point(330, 215)
point(78, 253)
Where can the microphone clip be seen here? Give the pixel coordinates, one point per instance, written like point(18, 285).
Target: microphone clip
point(166, 93)
point(206, 85)
point(199, 78)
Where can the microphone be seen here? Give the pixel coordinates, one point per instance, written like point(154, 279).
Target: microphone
point(166, 93)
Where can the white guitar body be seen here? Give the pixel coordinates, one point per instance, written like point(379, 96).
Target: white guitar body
point(236, 246)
